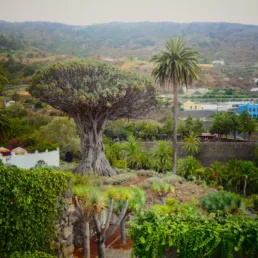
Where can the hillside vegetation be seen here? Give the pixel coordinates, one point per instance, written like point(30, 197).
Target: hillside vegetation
point(232, 42)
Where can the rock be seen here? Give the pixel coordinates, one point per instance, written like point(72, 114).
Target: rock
point(67, 232)
point(68, 250)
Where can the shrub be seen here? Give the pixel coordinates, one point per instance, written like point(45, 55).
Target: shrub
point(162, 190)
point(119, 179)
point(194, 236)
point(147, 183)
point(173, 179)
point(26, 194)
point(31, 255)
point(119, 163)
point(221, 201)
point(149, 173)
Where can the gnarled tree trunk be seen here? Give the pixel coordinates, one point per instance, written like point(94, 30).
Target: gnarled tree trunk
point(92, 148)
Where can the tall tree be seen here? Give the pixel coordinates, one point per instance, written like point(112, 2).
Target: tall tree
point(248, 124)
point(175, 66)
point(4, 127)
point(93, 93)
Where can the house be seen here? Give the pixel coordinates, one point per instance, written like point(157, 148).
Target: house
point(189, 105)
point(218, 62)
point(209, 106)
point(206, 66)
point(252, 109)
point(255, 80)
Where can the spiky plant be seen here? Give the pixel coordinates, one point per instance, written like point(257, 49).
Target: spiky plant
point(192, 144)
point(162, 190)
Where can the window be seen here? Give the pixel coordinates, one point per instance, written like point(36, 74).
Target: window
point(254, 115)
point(191, 107)
point(195, 107)
point(250, 109)
point(254, 109)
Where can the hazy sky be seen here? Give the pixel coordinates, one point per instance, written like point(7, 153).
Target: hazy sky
point(84, 12)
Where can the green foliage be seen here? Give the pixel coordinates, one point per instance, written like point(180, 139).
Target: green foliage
point(226, 202)
point(119, 179)
point(133, 152)
point(31, 255)
point(188, 166)
point(147, 183)
point(194, 236)
point(119, 163)
point(24, 195)
point(192, 144)
point(248, 124)
point(62, 131)
point(161, 190)
point(162, 153)
point(188, 126)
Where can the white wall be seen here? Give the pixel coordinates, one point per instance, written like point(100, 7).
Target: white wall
point(29, 160)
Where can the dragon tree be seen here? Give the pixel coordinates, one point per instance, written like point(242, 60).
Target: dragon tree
point(92, 93)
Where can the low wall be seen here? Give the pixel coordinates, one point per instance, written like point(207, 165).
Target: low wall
point(29, 160)
point(218, 151)
point(222, 151)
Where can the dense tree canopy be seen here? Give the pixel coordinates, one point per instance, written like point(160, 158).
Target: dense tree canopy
point(92, 93)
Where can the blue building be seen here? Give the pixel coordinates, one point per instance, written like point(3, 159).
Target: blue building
point(252, 109)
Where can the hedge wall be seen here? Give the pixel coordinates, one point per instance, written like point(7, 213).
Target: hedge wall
point(29, 210)
point(194, 236)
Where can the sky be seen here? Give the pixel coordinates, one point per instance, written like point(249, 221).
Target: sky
point(86, 12)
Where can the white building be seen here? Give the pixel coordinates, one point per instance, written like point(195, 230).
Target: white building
point(220, 62)
point(30, 160)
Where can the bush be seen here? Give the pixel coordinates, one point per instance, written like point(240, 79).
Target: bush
point(147, 183)
point(31, 255)
point(119, 179)
point(29, 208)
point(149, 173)
point(226, 202)
point(173, 179)
point(119, 163)
point(194, 236)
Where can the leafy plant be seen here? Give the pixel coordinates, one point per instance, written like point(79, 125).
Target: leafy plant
point(192, 144)
point(24, 195)
point(221, 201)
point(162, 190)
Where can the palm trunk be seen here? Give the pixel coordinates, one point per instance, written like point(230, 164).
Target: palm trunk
point(245, 185)
point(175, 116)
point(86, 239)
point(123, 231)
point(249, 136)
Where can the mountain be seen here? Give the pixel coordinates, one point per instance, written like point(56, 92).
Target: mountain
point(237, 44)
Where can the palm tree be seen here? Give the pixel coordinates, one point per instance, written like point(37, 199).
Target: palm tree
point(162, 153)
point(175, 66)
point(192, 144)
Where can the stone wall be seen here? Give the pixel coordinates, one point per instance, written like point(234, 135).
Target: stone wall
point(222, 151)
point(64, 229)
point(218, 151)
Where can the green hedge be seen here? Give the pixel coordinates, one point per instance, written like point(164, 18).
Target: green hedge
point(31, 255)
point(28, 210)
point(194, 236)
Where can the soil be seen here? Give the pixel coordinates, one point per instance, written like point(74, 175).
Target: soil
point(112, 243)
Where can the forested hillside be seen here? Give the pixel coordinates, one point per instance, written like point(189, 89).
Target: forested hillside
point(235, 43)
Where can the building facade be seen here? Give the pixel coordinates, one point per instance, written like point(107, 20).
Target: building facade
point(252, 109)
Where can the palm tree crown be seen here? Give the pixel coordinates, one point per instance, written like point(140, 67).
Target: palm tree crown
point(176, 65)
